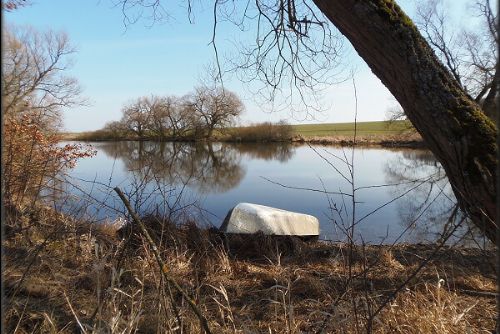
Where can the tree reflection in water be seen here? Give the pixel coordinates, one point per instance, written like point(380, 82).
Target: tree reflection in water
point(281, 152)
point(204, 167)
point(426, 210)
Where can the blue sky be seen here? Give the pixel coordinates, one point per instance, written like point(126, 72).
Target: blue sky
point(115, 64)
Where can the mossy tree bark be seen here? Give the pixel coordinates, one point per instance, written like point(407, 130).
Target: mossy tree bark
point(454, 127)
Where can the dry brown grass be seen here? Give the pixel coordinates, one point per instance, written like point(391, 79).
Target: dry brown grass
point(68, 276)
point(434, 309)
point(262, 132)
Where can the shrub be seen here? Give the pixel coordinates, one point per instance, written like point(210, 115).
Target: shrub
point(263, 132)
point(33, 159)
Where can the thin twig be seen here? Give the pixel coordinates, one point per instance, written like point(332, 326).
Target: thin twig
point(161, 263)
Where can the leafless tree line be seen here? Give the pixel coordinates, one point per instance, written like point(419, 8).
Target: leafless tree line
point(196, 115)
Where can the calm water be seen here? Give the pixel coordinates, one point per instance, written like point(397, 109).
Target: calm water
point(401, 195)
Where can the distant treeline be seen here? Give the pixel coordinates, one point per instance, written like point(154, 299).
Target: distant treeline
point(259, 132)
point(206, 114)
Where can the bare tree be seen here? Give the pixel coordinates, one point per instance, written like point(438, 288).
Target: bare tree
point(158, 109)
point(137, 116)
point(33, 80)
point(183, 120)
point(35, 90)
point(215, 107)
point(449, 120)
point(197, 114)
point(170, 116)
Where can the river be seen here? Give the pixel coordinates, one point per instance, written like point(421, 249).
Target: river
point(401, 195)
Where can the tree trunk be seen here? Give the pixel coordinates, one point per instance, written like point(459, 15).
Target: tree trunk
point(210, 132)
point(453, 126)
point(489, 105)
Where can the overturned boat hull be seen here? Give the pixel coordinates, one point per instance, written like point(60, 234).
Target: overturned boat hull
point(248, 218)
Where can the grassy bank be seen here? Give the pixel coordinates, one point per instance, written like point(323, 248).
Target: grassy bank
point(382, 133)
point(363, 129)
point(63, 275)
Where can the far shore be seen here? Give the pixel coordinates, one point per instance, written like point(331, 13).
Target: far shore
point(381, 133)
point(409, 141)
point(402, 141)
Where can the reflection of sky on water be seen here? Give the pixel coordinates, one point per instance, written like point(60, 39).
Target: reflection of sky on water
point(217, 177)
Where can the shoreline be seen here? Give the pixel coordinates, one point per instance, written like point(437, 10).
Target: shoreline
point(405, 141)
point(413, 141)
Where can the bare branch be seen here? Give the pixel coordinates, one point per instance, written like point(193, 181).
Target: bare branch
point(33, 77)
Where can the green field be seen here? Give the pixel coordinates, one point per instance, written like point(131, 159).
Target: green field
point(347, 129)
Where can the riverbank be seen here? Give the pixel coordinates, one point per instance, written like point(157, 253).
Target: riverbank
point(62, 274)
point(412, 140)
point(383, 134)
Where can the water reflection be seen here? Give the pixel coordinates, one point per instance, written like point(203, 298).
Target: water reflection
point(280, 152)
point(206, 167)
point(430, 208)
point(215, 177)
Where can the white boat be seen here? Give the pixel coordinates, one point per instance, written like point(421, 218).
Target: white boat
point(248, 218)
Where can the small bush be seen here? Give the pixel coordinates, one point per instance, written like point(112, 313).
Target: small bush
point(99, 135)
point(33, 159)
point(263, 132)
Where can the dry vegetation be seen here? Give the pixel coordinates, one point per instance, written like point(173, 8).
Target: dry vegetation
point(33, 161)
point(262, 132)
point(64, 276)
